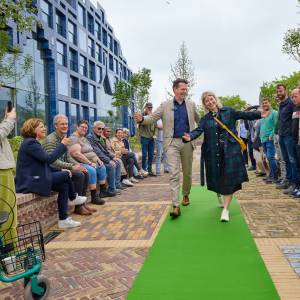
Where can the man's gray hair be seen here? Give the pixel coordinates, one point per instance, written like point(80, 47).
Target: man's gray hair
point(57, 117)
point(97, 123)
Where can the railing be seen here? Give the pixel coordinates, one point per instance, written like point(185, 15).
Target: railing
point(74, 65)
point(74, 93)
point(84, 96)
point(61, 30)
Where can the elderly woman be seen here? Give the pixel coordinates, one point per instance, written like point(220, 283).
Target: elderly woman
point(82, 151)
point(128, 158)
point(34, 174)
point(224, 164)
point(7, 163)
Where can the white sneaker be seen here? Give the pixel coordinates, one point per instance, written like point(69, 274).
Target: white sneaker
point(68, 223)
point(127, 182)
point(220, 200)
point(144, 173)
point(133, 180)
point(78, 200)
point(225, 215)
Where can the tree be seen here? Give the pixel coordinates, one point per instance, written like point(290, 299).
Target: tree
point(268, 89)
point(13, 65)
point(233, 101)
point(184, 69)
point(137, 87)
point(291, 43)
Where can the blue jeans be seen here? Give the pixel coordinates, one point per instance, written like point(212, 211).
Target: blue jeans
point(160, 156)
point(147, 153)
point(94, 174)
point(113, 176)
point(287, 147)
point(269, 150)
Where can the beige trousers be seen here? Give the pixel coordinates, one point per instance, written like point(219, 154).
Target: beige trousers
point(179, 153)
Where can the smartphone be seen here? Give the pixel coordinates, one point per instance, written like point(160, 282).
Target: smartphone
point(9, 106)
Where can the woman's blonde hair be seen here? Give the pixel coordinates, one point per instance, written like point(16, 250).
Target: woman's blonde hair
point(210, 93)
point(29, 127)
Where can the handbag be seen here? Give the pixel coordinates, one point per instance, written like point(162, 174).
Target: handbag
point(239, 140)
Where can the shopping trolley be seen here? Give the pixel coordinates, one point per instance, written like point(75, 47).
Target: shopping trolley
point(21, 255)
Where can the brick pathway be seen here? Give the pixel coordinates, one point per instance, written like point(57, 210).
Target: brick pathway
point(100, 259)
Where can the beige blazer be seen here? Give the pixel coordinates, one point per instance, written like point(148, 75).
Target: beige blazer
point(166, 112)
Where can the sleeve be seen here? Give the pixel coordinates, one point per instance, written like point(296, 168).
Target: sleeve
point(35, 149)
point(116, 148)
point(6, 126)
point(199, 130)
point(246, 115)
point(59, 164)
point(157, 114)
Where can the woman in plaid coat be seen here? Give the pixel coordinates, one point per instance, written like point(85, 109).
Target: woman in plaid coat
point(221, 153)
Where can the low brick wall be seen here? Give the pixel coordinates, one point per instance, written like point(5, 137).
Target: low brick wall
point(32, 207)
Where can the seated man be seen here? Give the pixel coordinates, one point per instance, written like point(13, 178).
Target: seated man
point(113, 168)
point(82, 151)
point(80, 175)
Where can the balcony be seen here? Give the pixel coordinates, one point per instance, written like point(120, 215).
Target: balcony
point(84, 96)
point(61, 30)
point(74, 65)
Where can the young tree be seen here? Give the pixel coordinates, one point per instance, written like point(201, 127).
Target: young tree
point(291, 43)
point(183, 68)
point(233, 101)
point(137, 87)
point(13, 66)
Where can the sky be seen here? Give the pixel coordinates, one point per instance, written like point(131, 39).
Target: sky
point(234, 45)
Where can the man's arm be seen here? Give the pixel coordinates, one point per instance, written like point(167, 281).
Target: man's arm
point(157, 114)
point(98, 151)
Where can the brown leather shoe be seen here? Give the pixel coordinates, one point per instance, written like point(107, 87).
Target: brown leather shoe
point(89, 208)
point(185, 201)
point(176, 212)
point(81, 210)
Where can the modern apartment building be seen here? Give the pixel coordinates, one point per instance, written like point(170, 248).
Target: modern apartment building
point(76, 61)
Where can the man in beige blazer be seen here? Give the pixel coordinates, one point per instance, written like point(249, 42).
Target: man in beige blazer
point(178, 116)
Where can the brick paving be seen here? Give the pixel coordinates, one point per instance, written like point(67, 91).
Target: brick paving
point(100, 259)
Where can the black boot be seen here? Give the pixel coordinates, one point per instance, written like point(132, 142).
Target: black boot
point(96, 199)
point(105, 192)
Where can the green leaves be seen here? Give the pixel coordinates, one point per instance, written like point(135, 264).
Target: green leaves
point(291, 43)
point(233, 101)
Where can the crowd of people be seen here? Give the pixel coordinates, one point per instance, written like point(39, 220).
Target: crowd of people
point(273, 142)
point(94, 160)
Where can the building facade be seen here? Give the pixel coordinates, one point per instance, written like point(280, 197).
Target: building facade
point(76, 61)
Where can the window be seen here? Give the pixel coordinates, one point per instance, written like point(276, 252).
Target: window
point(98, 30)
point(74, 115)
point(111, 62)
point(60, 24)
point(62, 108)
point(73, 60)
point(90, 24)
point(61, 53)
point(93, 116)
point(92, 93)
point(98, 53)
point(82, 65)
point(110, 43)
point(104, 37)
point(46, 12)
point(84, 113)
point(74, 84)
point(84, 91)
point(92, 70)
point(98, 74)
point(62, 83)
point(82, 40)
point(81, 15)
point(116, 48)
point(116, 66)
point(91, 47)
point(72, 34)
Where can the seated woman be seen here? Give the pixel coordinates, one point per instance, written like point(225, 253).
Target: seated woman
point(81, 150)
point(34, 174)
point(128, 158)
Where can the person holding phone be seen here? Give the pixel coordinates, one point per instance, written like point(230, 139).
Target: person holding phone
point(7, 163)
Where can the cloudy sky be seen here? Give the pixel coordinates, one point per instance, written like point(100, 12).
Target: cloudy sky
point(234, 45)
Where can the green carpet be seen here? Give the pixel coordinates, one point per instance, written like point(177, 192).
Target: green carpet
point(197, 257)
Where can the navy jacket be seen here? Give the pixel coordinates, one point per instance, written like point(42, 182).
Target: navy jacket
point(33, 173)
point(285, 117)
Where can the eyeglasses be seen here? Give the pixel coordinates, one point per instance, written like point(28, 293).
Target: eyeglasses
point(99, 128)
point(83, 127)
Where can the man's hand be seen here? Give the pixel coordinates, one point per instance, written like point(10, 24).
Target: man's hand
point(68, 171)
point(11, 114)
point(100, 162)
point(270, 138)
point(124, 151)
point(138, 117)
point(79, 168)
point(186, 137)
point(65, 141)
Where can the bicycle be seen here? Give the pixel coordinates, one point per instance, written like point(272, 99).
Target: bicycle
point(21, 255)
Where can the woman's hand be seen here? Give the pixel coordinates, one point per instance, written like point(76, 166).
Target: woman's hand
point(186, 137)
